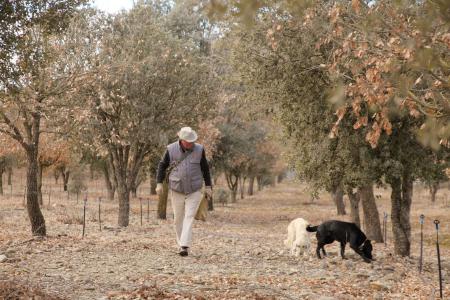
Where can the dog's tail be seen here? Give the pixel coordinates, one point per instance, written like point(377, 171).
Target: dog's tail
point(311, 228)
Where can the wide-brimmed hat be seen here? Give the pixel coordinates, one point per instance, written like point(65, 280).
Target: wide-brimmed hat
point(187, 134)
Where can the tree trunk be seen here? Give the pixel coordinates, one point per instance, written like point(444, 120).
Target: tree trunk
point(232, 182)
point(110, 188)
point(280, 177)
point(10, 172)
point(233, 195)
point(251, 182)
point(338, 199)
point(371, 216)
point(56, 175)
point(124, 203)
point(433, 190)
point(34, 212)
point(39, 184)
point(354, 207)
point(259, 183)
point(91, 171)
point(401, 197)
point(162, 202)
point(242, 186)
point(65, 175)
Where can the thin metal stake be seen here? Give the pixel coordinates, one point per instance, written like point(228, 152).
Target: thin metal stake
point(436, 222)
point(99, 212)
point(140, 202)
point(421, 220)
point(385, 228)
point(84, 214)
point(148, 209)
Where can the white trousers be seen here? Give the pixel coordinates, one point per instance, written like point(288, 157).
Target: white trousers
point(184, 209)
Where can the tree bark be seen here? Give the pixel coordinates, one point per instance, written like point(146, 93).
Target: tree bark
point(10, 172)
point(56, 175)
point(434, 187)
point(39, 184)
point(232, 181)
point(134, 191)
point(34, 212)
point(91, 171)
point(401, 197)
point(251, 183)
point(126, 162)
point(2, 170)
point(354, 207)
point(65, 175)
point(338, 199)
point(280, 177)
point(242, 186)
point(371, 216)
point(124, 204)
point(110, 188)
point(259, 183)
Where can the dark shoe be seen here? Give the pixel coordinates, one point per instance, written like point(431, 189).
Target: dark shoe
point(184, 251)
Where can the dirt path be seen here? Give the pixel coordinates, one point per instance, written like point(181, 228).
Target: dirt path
point(238, 254)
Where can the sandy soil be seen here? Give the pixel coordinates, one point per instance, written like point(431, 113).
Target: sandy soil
point(237, 254)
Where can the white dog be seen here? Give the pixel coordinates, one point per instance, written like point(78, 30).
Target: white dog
point(298, 239)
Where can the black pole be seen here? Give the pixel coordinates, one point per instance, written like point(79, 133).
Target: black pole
point(140, 203)
point(421, 219)
point(84, 214)
point(99, 213)
point(436, 222)
point(385, 228)
point(148, 209)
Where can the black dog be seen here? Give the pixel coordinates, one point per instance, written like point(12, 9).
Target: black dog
point(344, 233)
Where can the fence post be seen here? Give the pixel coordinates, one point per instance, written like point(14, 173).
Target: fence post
point(421, 220)
point(140, 203)
point(385, 228)
point(84, 214)
point(148, 209)
point(99, 213)
point(436, 222)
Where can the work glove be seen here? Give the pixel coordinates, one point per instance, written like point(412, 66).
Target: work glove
point(208, 191)
point(159, 189)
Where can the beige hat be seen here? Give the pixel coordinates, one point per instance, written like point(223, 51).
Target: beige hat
point(187, 134)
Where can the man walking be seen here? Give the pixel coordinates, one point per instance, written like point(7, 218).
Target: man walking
point(188, 168)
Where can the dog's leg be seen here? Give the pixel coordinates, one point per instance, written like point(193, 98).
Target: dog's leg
point(318, 250)
point(357, 250)
point(343, 250)
point(323, 250)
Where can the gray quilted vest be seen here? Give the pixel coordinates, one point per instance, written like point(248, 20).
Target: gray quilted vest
point(187, 177)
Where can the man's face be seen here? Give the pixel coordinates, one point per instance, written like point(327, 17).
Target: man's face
point(187, 145)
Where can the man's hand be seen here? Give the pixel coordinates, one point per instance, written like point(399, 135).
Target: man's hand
point(159, 189)
point(208, 191)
